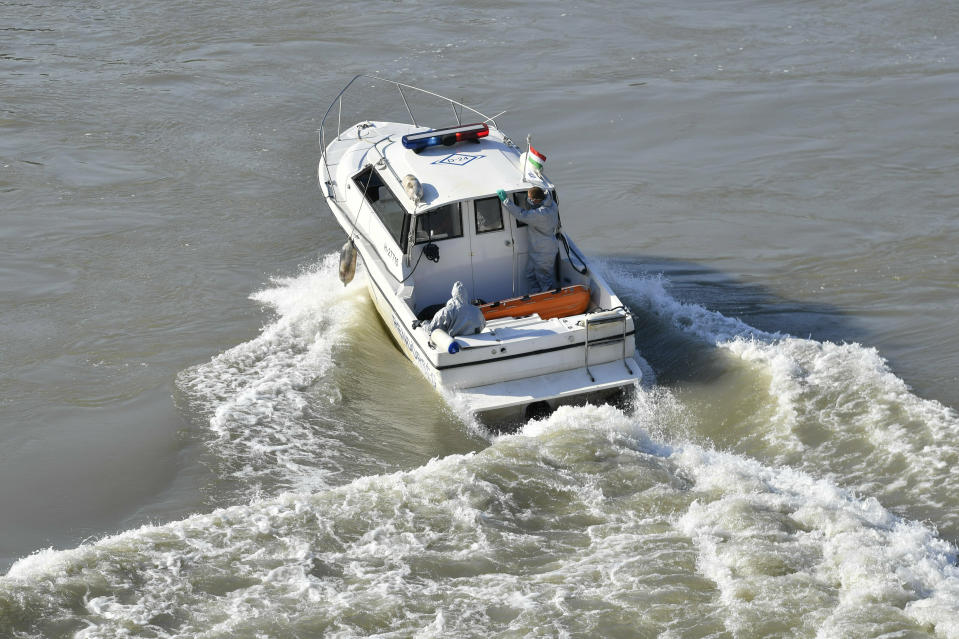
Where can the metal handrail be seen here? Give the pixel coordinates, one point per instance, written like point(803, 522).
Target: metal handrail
point(338, 103)
point(622, 316)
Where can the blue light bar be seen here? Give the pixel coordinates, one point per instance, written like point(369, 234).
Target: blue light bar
point(447, 137)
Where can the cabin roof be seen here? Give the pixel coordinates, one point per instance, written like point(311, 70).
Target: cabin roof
point(465, 170)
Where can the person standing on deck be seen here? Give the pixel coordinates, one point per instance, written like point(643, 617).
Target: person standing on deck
point(542, 219)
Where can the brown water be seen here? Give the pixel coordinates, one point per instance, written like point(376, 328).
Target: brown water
point(771, 188)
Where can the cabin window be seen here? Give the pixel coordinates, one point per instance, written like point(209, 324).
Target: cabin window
point(519, 199)
point(489, 215)
point(443, 223)
point(384, 204)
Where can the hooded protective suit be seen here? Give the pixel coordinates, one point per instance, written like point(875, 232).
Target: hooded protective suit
point(458, 317)
point(543, 223)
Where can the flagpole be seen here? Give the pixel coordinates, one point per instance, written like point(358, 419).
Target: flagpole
point(529, 144)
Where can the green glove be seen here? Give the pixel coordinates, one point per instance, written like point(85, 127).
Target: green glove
point(502, 195)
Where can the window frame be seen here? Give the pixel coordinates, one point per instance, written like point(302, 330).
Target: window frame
point(458, 210)
point(398, 234)
point(519, 199)
point(499, 209)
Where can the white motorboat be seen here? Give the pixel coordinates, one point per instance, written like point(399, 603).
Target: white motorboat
point(403, 192)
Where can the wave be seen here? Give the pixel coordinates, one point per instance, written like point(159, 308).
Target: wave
point(256, 397)
point(590, 522)
point(579, 525)
point(832, 409)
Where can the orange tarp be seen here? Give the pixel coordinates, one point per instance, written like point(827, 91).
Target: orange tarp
point(564, 302)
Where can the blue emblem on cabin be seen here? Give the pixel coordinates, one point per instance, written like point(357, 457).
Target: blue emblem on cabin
point(458, 159)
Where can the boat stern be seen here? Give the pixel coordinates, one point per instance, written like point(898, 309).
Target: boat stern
point(507, 404)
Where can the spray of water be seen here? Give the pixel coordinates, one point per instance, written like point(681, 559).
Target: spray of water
point(567, 528)
point(258, 396)
point(834, 410)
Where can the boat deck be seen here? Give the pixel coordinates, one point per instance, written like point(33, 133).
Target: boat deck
point(514, 330)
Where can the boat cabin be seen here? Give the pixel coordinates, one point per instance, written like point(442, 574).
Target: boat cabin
point(432, 213)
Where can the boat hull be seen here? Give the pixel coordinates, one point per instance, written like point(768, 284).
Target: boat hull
point(536, 351)
point(533, 389)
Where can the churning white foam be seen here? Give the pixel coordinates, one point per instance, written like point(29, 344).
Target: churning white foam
point(586, 523)
point(839, 410)
point(788, 551)
point(777, 539)
point(580, 525)
point(257, 394)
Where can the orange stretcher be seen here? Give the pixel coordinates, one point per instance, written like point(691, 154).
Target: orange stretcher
point(571, 300)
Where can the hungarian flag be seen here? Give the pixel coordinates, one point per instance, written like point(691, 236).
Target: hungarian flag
point(536, 158)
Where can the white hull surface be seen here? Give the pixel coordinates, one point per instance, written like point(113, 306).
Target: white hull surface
point(450, 226)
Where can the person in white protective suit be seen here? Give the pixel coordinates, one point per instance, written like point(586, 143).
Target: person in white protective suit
point(458, 317)
point(542, 219)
